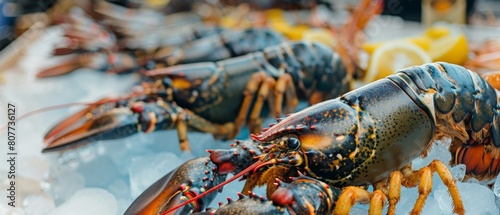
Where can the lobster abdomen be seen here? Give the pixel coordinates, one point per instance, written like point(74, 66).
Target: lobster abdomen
point(466, 109)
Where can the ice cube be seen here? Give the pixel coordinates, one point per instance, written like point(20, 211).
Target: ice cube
point(32, 167)
point(458, 172)
point(36, 204)
point(147, 169)
point(409, 197)
point(439, 150)
point(99, 172)
point(88, 201)
point(63, 184)
point(496, 187)
point(119, 188)
point(477, 199)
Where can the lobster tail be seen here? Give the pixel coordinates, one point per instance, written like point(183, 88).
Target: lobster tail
point(465, 107)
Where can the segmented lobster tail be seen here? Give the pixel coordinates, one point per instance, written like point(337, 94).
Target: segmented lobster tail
point(463, 103)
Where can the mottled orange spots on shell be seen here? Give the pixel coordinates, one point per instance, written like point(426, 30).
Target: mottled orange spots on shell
point(317, 142)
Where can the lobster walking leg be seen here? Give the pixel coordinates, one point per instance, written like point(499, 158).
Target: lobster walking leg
point(423, 178)
point(261, 84)
point(284, 85)
point(190, 119)
point(408, 178)
point(255, 121)
point(351, 195)
point(252, 86)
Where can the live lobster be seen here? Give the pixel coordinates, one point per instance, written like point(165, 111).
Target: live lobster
point(212, 44)
point(324, 152)
point(217, 97)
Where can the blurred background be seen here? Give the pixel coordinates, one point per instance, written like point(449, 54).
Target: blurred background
point(476, 11)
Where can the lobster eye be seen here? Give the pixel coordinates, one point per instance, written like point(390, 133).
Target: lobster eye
point(292, 143)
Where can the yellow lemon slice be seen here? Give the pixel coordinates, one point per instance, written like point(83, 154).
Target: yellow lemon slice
point(393, 56)
point(436, 32)
point(280, 26)
point(319, 35)
point(422, 42)
point(296, 32)
point(371, 47)
point(450, 48)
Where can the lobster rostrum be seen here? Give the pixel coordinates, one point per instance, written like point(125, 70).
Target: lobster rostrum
point(364, 137)
point(225, 93)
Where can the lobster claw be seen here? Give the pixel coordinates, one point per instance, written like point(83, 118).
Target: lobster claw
point(66, 67)
point(188, 181)
point(102, 122)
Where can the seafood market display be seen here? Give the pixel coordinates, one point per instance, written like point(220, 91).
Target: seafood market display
point(163, 108)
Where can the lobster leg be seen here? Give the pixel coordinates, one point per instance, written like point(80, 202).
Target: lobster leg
point(190, 119)
point(262, 84)
point(423, 178)
point(351, 195)
point(394, 191)
point(408, 178)
point(255, 122)
point(284, 85)
point(251, 88)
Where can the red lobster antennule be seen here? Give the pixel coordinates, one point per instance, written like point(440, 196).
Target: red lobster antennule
point(252, 167)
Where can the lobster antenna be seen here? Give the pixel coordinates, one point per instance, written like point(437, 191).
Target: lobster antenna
point(41, 110)
point(245, 171)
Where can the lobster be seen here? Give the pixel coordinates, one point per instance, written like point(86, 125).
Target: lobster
point(218, 97)
point(209, 44)
point(221, 112)
point(318, 157)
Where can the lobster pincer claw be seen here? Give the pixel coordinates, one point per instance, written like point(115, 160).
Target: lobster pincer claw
point(117, 123)
point(186, 182)
point(109, 120)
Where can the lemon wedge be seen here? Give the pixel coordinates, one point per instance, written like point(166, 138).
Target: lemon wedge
point(422, 42)
point(437, 32)
point(371, 47)
point(393, 56)
point(450, 48)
